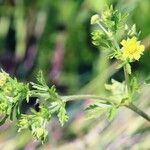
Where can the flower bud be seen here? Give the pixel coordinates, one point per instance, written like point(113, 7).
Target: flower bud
point(95, 19)
point(3, 79)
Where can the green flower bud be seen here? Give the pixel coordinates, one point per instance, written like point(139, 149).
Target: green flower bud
point(41, 133)
point(95, 19)
point(3, 107)
point(23, 123)
point(3, 79)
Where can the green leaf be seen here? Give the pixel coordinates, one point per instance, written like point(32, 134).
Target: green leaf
point(94, 111)
point(134, 86)
point(93, 106)
point(40, 78)
point(62, 115)
point(18, 114)
point(118, 90)
point(4, 119)
point(113, 19)
point(100, 39)
point(112, 113)
point(12, 111)
point(40, 134)
point(125, 102)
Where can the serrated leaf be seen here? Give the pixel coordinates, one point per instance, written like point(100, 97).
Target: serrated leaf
point(94, 111)
point(40, 78)
point(118, 90)
point(112, 113)
point(93, 106)
point(134, 85)
point(62, 115)
point(18, 114)
point(4, 119)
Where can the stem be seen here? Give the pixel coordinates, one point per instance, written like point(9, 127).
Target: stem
point(138, 111)
point(105, 31)
point(112, 38)
point(126, 79)
point(106, 100)
point(80, 97)
point(130, 106)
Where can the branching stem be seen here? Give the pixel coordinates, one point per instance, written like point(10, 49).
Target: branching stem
point(139, 111)
point(83, 97)
point(105, 100)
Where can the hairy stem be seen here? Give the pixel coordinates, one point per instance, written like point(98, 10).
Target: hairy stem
point(103, 29)
point(80, 97)
point(110, 36)
point(105, 100)
point(126, 79)
point(138, 111)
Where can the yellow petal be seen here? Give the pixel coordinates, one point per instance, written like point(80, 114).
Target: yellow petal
point(133, 39)
point(125, 55)
point(141, 48)
point(123, 42)
point(136, 56)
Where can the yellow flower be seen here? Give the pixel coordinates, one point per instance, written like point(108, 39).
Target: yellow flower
point(132, 49)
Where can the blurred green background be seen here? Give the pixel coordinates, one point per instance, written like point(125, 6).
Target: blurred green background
point(55, 36)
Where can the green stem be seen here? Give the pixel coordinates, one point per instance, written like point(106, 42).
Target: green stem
point(126, 79)
point(80, 97)
point(103, 29)
point(130, 106)
point(110, 36)
point(105, 100)
point(139, 111)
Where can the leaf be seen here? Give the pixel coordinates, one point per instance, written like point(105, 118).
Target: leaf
point(93, 106)
point(18, 114)
point(118, 90)
point(40, 78)
point(112, 113)
point(62, 115)
point(4, 119)
point(94, 111)
point(12, 111)
point(100, 39)
point(134, 85)
point(39, 87)
point(125, 102)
